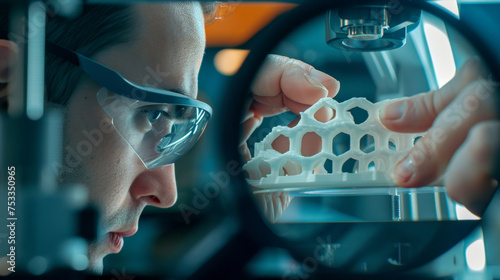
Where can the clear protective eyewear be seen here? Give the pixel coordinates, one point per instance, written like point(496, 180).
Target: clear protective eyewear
point(160, 125)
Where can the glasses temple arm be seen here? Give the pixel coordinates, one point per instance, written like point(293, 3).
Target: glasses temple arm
point(62, 52)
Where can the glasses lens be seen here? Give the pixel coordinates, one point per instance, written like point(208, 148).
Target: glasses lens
point(159, 133)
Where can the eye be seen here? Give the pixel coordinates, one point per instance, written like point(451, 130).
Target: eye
point(153, 115)
point(180, 111)
point(146, 118)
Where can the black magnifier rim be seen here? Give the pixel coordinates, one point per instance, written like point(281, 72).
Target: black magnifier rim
point(264, 42)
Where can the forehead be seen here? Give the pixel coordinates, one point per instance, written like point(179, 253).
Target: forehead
point(174, 40)
point(167, 50)
point(173, 30)
point(165, 22)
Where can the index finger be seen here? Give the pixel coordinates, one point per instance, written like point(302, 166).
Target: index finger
point(417, 113)
point(430, 156)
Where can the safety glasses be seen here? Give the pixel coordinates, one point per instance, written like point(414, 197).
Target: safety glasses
point(160, 125)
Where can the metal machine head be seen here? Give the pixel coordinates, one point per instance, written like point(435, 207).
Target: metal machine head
point(370, 27)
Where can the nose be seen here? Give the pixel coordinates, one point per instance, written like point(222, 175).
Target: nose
point(156, 187)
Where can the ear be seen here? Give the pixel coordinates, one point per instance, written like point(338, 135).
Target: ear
point(8, 61)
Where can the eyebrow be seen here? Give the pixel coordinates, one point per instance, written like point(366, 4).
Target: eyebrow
point(178, 90)
point(71, 56)
point(114, 81)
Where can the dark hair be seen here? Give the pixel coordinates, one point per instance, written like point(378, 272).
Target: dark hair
point(97, 27)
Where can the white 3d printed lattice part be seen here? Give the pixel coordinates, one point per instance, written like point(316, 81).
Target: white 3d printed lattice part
point(374, 150)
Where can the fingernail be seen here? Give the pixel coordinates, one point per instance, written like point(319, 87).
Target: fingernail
point(324, 79)
point(315, 82)
point(321, 76)
point(404, 170)
point(393, 111)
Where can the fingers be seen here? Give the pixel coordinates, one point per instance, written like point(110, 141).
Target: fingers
point(261, 110)
point(284, 82)
point(273, 205)
point(287, 84)
point(245, 153)
point(417, 113)
point(428, 159)
point(249, 126)
point(469, 177)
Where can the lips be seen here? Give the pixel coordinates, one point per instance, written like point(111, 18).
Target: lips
point(128, 232)
point(115, 242)
point(115, 239)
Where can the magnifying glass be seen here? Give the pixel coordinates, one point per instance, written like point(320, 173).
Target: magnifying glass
point(354, 230)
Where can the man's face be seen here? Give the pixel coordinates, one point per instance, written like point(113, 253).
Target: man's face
point(167, 54)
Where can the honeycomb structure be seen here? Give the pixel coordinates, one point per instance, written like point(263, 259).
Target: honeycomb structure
point(354, 153)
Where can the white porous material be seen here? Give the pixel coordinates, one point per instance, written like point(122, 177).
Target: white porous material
point(270, 169)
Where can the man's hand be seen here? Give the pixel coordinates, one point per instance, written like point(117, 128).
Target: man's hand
point(462, 140)
point(285, 84)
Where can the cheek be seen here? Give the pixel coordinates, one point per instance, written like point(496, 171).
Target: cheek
point(112, 167)
point(107, 164)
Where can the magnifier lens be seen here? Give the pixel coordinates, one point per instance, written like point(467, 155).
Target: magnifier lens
point(343, 196)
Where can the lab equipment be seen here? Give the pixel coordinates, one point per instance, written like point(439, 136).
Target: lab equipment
point(35, 205)
point(377, 26)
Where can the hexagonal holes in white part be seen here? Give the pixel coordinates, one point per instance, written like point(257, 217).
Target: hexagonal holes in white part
point(350, 166)
point(311, 144)
point(329, 166)
point(341, 143)
point(416, 139)
point(291, 167)
point(319, 167)
point(391, 145)
point(367, 143)
point(265, 169)
point(281, 144)
point(371, 166)
point(359, 114)
point(352, 143)
point(324, 114)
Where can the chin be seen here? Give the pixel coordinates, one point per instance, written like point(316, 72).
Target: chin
point(95, 260)
point(95, 267)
